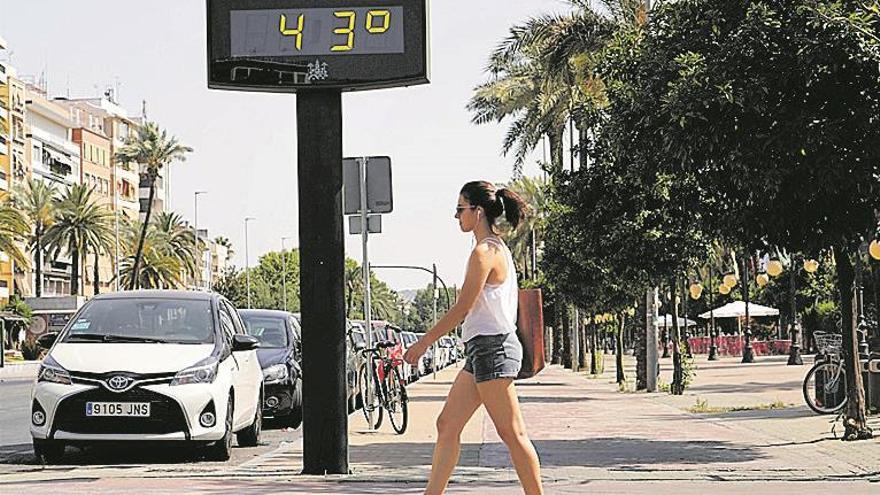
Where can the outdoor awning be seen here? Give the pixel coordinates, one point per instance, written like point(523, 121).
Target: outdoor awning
point(737, 309)
point(665, 321)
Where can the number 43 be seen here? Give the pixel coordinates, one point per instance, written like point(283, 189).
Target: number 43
point(347, 30)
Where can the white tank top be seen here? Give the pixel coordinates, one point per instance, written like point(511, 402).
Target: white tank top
point(494, 312)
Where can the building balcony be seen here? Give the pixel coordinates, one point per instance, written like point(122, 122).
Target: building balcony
point(4, 145)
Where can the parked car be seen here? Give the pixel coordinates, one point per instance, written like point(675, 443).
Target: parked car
point(281, 361)
point(353, 360)
point(148, 366)
point(410, 338)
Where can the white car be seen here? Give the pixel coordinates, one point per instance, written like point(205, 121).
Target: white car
point(149, 366)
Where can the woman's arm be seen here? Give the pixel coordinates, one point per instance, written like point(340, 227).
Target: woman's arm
point(479, 267)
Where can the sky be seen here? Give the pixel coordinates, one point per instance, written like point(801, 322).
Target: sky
point(245, 143)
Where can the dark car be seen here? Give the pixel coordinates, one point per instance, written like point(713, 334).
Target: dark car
point(281, 359)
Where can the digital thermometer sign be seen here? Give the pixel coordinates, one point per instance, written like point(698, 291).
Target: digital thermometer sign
point(289, 45)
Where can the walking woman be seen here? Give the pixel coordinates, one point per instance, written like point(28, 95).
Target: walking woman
point(487, 304)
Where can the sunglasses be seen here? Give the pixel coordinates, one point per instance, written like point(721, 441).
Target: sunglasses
point(459, 209)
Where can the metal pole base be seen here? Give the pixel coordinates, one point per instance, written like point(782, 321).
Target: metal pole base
point(794, 356)
point(713, 353)
point(748, 355)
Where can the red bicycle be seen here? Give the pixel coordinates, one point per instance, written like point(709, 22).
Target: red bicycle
point(385, 390)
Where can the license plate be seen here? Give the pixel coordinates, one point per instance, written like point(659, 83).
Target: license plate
point(136, 409)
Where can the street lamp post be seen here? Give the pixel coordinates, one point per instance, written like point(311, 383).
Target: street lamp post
point(247, 263)
point(713, 331)
point(748, 354)
point(794, 353)
point(861, 322)
point(284, 273)
point(198, 244)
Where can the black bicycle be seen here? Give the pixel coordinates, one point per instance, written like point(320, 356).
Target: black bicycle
point(386, 391)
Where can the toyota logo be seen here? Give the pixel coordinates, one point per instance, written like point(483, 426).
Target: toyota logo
point(118, 383)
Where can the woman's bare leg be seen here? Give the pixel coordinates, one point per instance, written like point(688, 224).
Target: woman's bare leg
point(502, 404)
point(462, 401)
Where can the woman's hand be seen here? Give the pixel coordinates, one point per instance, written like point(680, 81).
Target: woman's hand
point(414, 353)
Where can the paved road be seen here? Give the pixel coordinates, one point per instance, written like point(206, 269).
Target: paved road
point(15, 439)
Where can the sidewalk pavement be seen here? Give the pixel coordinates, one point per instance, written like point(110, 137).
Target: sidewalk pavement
point(591, 439)
point(20, 369)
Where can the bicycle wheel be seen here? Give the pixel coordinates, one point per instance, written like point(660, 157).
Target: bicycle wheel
point(397, 401)
point(371, 404)
point(825, 387)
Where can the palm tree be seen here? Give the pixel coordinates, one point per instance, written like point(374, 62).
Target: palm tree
point(81, 225)
point(159, 267)
point(13, 229)
point(225, 242)
point(153, 149)
point(35, 200)
point(529, 234)
point(179, 240)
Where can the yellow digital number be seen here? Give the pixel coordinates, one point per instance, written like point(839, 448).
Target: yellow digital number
point(298, 32)
point(348, 31)
point(386, 21)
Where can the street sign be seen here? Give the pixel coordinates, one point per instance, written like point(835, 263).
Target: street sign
point(283, 46)
point(379, 195)
point(374, 224)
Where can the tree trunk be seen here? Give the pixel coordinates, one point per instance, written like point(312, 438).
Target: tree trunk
point(621, 376)
point(557, 150)
point(640, 340)
point(74, 273)
point(583, 144)
point(566, 338)
point(855, 422)
point(38, 261)
point(559, 333)
point(677, 387)
point(97, 276)
point(135, 277)
point(584, 346)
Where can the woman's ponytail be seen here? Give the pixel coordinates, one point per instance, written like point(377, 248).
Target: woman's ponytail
point(515, 209)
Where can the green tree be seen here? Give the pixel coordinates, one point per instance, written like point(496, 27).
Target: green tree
point(153, 149)
point(34, 199)
point(271, 270)
point(81, 226)
point(13, 229)
point(418, 315)
point(179, 241)
point(232, 284)
point(160, 267)
point(770, 107)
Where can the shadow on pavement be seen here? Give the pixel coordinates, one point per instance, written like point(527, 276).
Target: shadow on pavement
point(523, 399)
point(588, 453)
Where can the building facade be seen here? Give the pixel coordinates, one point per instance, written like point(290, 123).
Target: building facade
point(55, 159)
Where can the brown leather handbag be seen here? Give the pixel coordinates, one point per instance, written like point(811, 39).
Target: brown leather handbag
point(530, 330)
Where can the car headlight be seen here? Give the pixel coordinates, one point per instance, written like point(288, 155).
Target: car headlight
point(204, 371)
point(275, 373)
point(51, 371)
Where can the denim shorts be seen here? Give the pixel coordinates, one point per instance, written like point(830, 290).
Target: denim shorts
point(493, 356)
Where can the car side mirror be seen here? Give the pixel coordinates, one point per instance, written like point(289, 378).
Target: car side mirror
point(244, 343)
point(45, 341)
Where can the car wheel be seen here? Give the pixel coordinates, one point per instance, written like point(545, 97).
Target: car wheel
point(250, 436)
point(221, 450)
point(48, 451)
point(296, 406)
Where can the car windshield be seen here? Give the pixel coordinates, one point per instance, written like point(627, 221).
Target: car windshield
point(179, 321)
point(270, 331)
